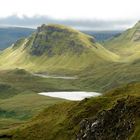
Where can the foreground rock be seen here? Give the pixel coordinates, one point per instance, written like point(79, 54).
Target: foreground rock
point(118, 123)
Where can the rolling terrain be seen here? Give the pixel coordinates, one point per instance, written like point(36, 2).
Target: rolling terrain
point(68, 119)
point(62, 51)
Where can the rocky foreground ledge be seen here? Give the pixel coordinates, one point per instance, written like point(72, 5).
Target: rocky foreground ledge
point(117, 123)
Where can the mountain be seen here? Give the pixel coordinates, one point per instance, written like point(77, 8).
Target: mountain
point(127, 44)
point(9, 35)
point(55, 48)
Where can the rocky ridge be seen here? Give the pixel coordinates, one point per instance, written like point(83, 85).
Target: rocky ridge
point(117, 123)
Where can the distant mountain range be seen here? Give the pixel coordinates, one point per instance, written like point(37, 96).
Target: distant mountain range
point(8, 35)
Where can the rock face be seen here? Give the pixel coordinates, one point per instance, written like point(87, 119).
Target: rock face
point(58, 39)
point(114, 124)
point(136, 36)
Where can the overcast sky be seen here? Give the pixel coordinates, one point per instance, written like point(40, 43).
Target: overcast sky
point(83, 14)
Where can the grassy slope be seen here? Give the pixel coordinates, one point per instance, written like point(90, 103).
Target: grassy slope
point(18, 95)
point(63, 120)
point(59, 121)
point(127, 44)
point(23, 103)
point(72, 52)
point(105, 77)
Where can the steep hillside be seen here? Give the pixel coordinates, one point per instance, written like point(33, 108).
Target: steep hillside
point(118, 111)
point(55, 48)
point(127, 44)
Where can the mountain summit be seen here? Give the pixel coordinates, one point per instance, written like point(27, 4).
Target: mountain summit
point(58, 39)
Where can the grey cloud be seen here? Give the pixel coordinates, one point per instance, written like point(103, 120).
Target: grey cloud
point(94, 24)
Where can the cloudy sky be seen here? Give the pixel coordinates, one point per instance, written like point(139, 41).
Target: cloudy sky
point(82, 14)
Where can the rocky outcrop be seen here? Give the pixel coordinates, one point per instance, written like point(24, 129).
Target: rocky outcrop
point(117, 123)
point(136, 36)
point(58, 39)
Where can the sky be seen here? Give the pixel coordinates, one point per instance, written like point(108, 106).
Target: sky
point(82, 14)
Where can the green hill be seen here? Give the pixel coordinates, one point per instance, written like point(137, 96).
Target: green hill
point(70, 120)
point(127, 44)
point(55, 48)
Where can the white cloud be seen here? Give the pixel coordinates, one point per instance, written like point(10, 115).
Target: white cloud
point(76, 23)
point(73, 9)
point(85, 14)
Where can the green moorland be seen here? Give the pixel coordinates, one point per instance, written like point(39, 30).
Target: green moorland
point(127, 44)
point(60, 50)
point(18, 95)
point(107, 75)
point(62, 121)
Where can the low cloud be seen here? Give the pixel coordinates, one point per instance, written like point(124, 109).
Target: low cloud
point(94, 24)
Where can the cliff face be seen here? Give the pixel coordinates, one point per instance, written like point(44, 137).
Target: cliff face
point(117, 123)
point(58, 39)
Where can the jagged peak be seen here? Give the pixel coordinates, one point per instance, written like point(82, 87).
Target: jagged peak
point(58, 39)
